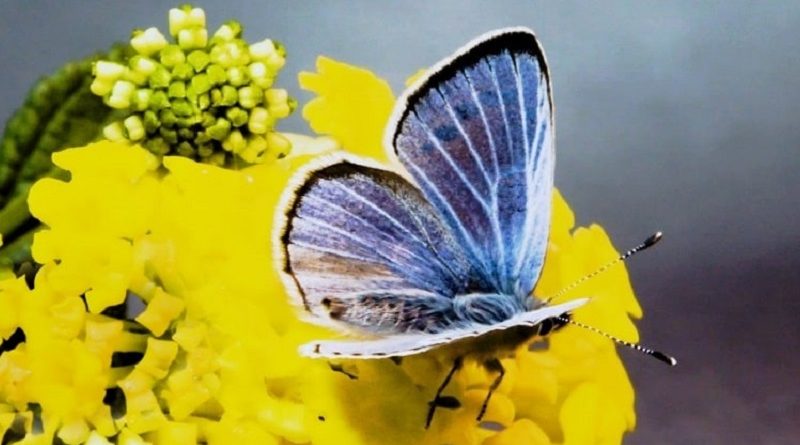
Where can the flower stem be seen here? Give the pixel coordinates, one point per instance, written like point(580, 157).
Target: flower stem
point(19, 250)
point(14, 215)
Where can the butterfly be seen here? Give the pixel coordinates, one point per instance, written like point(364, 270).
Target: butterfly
point(444, 246)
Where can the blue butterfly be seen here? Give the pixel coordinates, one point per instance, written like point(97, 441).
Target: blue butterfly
point(446, 247)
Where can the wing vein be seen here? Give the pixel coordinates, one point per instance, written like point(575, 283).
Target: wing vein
point(432, 137)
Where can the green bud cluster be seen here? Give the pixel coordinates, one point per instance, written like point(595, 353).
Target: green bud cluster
point(207, 98)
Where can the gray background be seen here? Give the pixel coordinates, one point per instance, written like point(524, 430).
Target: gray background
point(680, 116)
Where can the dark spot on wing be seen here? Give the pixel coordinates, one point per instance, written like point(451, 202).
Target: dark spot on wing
point(445, 133)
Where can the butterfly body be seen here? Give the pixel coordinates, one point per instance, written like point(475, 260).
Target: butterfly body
point(442, 248)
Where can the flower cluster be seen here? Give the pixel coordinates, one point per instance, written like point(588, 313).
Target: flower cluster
point(212, 355)
point(209, 98)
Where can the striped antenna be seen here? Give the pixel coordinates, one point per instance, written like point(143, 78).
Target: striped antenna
point(668, 359)
point(649, 242)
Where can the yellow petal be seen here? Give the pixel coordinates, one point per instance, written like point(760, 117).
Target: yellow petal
point(158, 357)
point(160, 312)
point(352, 105)
point(175, 433)
point(579, 415)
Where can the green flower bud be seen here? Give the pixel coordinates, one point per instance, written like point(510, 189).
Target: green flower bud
point(135, 77)
point(143, 65)
point(250, 96)
point(275, 62)
point(185, 133)
point(183, 71)
point(172, 55)
point(204, 101)
point(199, 85)
point(264, 82)
point(229, 96)
point(262, 50)
point(150, 121)
point(141, 99)
point(216, 74)
point(159, 100)
point(237, 76)
point(148, 42)
point(276, 96)
point(205, 150)
point(216, 159)
point(168, 118)
point(278, 144)
point(101, 87)
point(234, 142)
point(160, 78)
point(114, 132)
point(198, 59)
point(134, 127)
point(185, 149)
point(257, 70)
point(254, 149)
point(192, 38)
point(210, 99)
point(121, 94)
point(220, 130)
point(280, 48)
point(237, 116)
point(182, 108)
point(157, 145)
point(108, 71)
point(207, 119)
point(177, 89)
point(169, 135)
point(178, 20)
point(259, 121)
point(201, 139)
point(227, 32)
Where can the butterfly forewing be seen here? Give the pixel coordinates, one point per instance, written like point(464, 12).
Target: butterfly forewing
point(477, 137)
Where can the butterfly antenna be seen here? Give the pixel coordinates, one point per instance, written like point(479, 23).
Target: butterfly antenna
point(668, 359)
point(649, 242)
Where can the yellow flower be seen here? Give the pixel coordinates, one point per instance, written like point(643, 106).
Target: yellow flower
point(576, 391)
point(212, 357)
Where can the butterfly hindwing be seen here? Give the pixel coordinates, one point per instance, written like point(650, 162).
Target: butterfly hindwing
point(477, 137)
point(358, 241)
point(401, 345)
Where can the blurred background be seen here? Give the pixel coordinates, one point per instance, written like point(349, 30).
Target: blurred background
point(679, 116)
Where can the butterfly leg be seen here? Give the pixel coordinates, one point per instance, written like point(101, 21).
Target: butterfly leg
point(492, 365)
point(440, 401)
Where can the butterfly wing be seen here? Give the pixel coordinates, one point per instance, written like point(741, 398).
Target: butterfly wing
point(362, 246)
point(410, 344)
point(476, 135)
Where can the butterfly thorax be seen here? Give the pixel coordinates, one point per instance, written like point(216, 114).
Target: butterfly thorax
point(503, 342)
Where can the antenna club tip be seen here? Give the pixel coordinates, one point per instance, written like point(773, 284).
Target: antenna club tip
point(665, 358)
point(654, 238)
